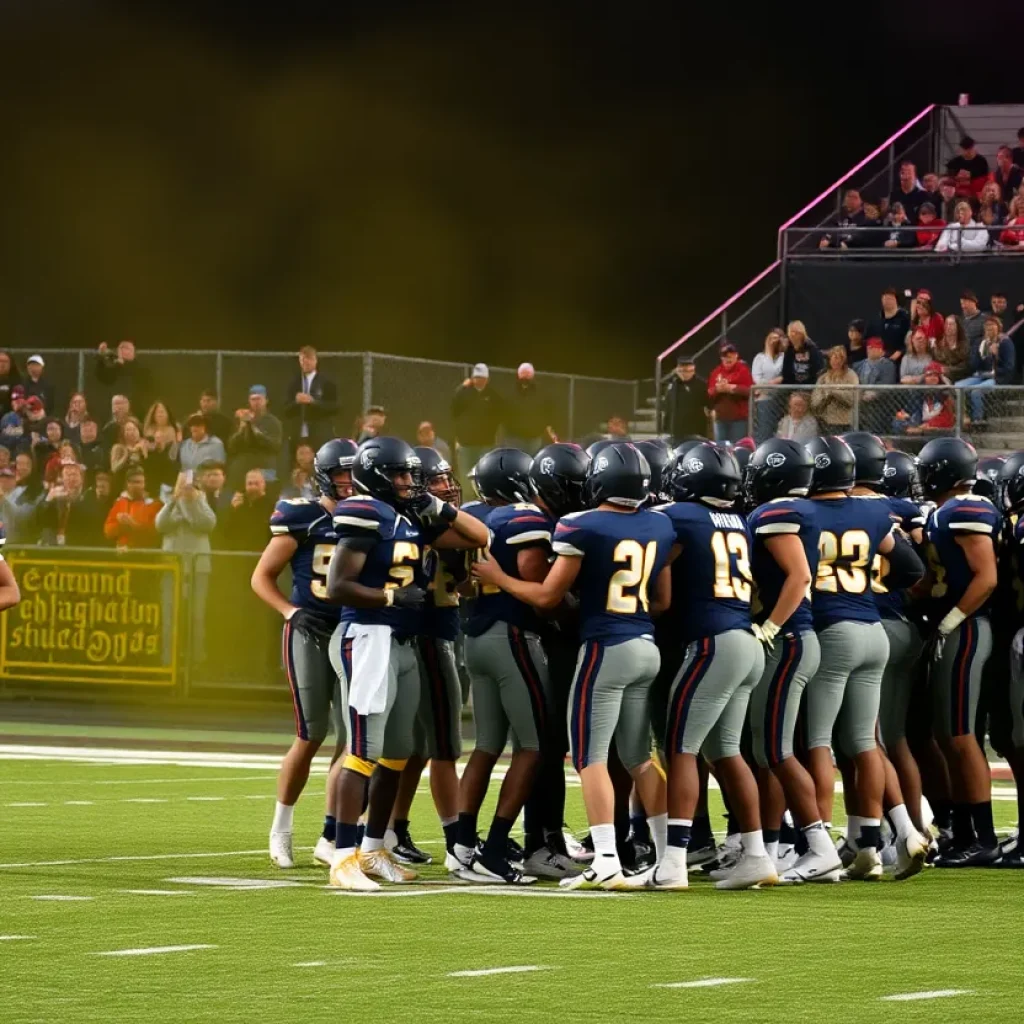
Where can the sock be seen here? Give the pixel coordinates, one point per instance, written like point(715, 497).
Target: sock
point(800, 841)
point(753, 843)
point(497, 838)
point(451, 828)
point(771, 835)
point(701, 831)
point(554, 839)
point(606, 857)
point(816, 839)
point(788, 833)
point(330, 828)
point(870, 834)
point(401, 827)
point(465, 830)
point(360, 832)
point(678, 832)
point(345, 840)
point(963, 826)
point(732, 826)
point(942, 814)
point(981, 814)
point(658, 825)
point(283, 815)
point(853, 826)
point(771, 847)
point(369, 845)
point(640, 826)
point(899, 818)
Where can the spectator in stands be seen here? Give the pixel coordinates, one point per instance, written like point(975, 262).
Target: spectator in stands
point(36, 384)
point(952, 349)
point(214, 477)
point(766, 369)
point(908, 192)
point(964, 234)
point(185, 523)
point(9, 378)
point(855, 350)
point(6, 487)
point(476, 413)
point(686, 400)
point(917, 359)
point(130, 452)
point(199, 447)
point(47, 445)
point(992, 225)
point(91, 453)
point(131, 520)
point(257, 440)
point(1009, 176)
point(729, 392)
point(119, 369)
point(120, 411)
point(527, 416)
point(872, 219)
point(373, 423)
point(992, 362)
point(902, 234)
point(938, 409)
point(78, 410)
point(162, 436)
point(973, 318)
point(833, 397)
point(876, 369)
point(802, 363)
point(969, 160)
point(12, 423)
point(947, 209)
point(34, 420)
point(999, 305)
point(1012, 236)
point(892, 324)
point(992, 198)
point(426, 437)
point(21, 520)
point(923, 315)
point(70, 514)
point(930, 184)
point(217, 424)
point(310, 412)
point(249, 514)
point(66, 452)
point(851, 218)
point(103, 489)
point(926, 239)
point(797, 424)
point(301, 477)
point(1018, 151)
point(6, 459)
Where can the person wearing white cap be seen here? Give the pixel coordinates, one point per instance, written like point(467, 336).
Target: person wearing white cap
point(477, 412)
point(528, 419)
point(35, 384)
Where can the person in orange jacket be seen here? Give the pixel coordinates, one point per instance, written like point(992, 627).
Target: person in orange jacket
point(729, 390)
point(132, 518)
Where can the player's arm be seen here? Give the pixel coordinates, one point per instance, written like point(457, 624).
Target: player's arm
point(788, 551)
point(10, 595)
point(662, 599)
point(464, 533)
point(981, 559)
point(276, 555)
point(544, 595)
point(906, 569)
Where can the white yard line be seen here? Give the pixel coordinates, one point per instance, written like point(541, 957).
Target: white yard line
point(156, 892)
point(79, 803)
point(312, 963)
point(525, 969)
point(16, 938)
point(238, 883)
point(138, 857)
point(145, 800)
point(939, 993)
point(155, 950)
point(204, 799)
point(392, 893)
point(705, 983)
point(61, 899)
point(26, 803)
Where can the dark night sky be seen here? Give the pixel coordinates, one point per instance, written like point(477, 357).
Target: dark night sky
point(504, 181)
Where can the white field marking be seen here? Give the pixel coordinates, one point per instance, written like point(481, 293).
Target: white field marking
point(27, 803)
point(260, 796)
point(138, 857)
point(62, 899)
point(391, 893)
point(238, 883)
point(156, 892)
point(525, 969)
point(16, 938)
point(939, 993)
point(705, 983)
point(204, 799)
point(550, 894)
point(79, 803)
point(312, 963)
point(154, 950)
point(145, 800)
point(185, 780)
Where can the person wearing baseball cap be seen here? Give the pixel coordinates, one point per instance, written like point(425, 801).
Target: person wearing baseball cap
point(257, 439)
point(477, 412)
point(528, 416)
point(686, 399)
point(876, 369)
point(36, 384)
point(728, 394)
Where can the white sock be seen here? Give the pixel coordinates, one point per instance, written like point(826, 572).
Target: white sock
point(900, 818)
point(659, 831)
point(390, 836)
point(818, 839)
point(283, 816)
point(369, 845)
point(772, 849)
point(753, 843)
point(606, 857)
point(853, 825)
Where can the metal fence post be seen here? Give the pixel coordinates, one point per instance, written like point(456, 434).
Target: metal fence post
point(856, 409)
point(958, 395)
point(657, 397)
point(572, 406)
point(367, 380)
point(636, 400)
point(892, 165)
point(81, 369)
point(219, 374)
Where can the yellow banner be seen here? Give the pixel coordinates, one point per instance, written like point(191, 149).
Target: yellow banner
point(111, 621)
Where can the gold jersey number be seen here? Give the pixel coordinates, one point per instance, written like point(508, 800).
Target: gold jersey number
point(637, 573)
point(733, 578)
point(842, 562)
point(404, 559)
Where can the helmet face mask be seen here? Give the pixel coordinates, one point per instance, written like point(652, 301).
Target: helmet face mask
point(438, 477)
point(899, 477)
point(332, 468)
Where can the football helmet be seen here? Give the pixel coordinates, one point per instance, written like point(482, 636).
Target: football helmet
point(945, 463)
point(657, 454)
point(558, 475)
point(899, 477)
point(339, 453)
point(707, 472)
point(619, 474)
point(835, 465)
point(1011, 478)
point(869, 453)
point(378, 461)
point(778, 468)
point(988, 476)
point(438, 476)
point(502, 476)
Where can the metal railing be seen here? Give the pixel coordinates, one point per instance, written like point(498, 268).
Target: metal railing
point(875, 241)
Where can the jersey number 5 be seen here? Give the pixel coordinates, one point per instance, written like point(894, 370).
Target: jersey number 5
point(403, 565)
point(640, 563)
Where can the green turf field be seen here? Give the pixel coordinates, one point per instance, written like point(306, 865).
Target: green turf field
point(99, 858)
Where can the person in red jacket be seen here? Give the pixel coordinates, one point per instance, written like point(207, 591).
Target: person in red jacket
point(729, 390)
point(131, 521)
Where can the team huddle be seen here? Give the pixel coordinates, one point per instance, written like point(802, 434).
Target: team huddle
point(660, 616)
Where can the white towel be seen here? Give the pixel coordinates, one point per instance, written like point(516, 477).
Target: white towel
point(371, 658)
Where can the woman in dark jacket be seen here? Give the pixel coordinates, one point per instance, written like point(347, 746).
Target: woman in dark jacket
point(9, 377)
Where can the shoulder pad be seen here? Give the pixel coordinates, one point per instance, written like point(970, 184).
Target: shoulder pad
point(363, 516)
point(293, 515)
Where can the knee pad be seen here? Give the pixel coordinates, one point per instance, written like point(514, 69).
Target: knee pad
point(395, 764)
point(358, 765)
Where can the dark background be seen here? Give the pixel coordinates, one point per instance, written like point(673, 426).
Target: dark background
point(571, 184)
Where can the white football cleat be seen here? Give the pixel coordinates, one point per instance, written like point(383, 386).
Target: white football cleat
point(640, 879)
point(576, 849)
point(453, 864)
point(910, 855)
point(589, 879)
point(323, 852)
point(347, 874)
point(748, 873)
point(281, 850)
point(866, 866)
point(669, 879)
point(786, 859)
point(380, 864)
point(813, 867)
point(548, 863)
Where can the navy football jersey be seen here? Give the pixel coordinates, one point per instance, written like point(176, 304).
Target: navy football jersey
point(851, 530)
point(513, 529)
point(622, 553)
point(446, 569)
point(1014, 554)
point(310, 525)
point(711, 579)
point(396, 559)
point(964, 516)
point(892, 604)
point(783, 515)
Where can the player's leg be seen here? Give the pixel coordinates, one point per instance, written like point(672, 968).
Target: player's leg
point(397, 838)
point(1013, 856)
point(323, 852)
point(311, 680)
point(957, 686)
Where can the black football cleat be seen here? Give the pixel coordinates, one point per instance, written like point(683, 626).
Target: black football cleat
point(975, 856)
point(516, 854)
point(702, 855)
point(407, 852)
point(1012, 859)
point(498, 869)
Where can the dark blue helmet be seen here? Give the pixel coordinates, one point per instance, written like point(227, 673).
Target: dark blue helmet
point(869, 453)
point(1011, 479)
point(706, 472)
point(559, 475)
point(619, 474)
point(502, 476)
point(899, 478)
point(778, 468)
point(658, 455)
point(835, 465)
point(946, 463)
point(598, 446)
point(686, 443)
point(988, 474)
point(438, 476)
point(334, 455)
point(378, 461)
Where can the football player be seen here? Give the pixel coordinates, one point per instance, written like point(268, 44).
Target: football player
point(961, 536)
point(10, 595)
point(303, 537)
point(708, 702)
point(614, 552)
point(378, 575)
point(844, 693)
point(784, 562)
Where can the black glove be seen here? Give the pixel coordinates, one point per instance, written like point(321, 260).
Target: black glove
point(411, 596)
point(432, 511)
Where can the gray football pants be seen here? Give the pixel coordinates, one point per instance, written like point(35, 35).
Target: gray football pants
point(318, 696)
point(898, 679)
point(956, 678)
point(843, 696)
point(439, 719)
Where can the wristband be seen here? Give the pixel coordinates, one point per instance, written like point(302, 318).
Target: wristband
point(953, 619)
point(448, 513)
point(389, 598)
